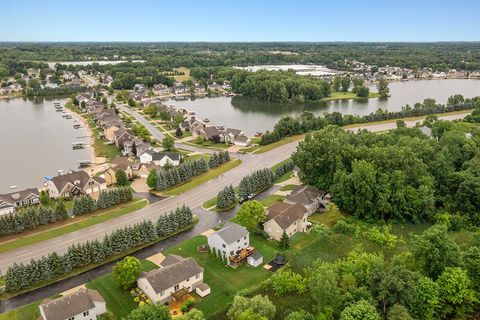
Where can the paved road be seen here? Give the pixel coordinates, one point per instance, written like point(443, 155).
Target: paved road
point(193, 198)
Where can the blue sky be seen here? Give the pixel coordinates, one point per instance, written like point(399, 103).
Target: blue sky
point(240, 20)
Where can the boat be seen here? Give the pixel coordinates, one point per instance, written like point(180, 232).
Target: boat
point(76, 126)
point(59, 110)
point(84, 163)
point(13, 187)
point(78, 145)
point(68, 116)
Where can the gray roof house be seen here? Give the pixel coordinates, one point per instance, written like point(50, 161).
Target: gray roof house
point(176, 277)
point(10, 201)
point(74, 183)
point(312, 198)
point(229, 241)
point(285, 217)
point(82, 304)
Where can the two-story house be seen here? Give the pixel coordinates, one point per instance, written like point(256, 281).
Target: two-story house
point(84, 304)
point(284, 217)
point(176, 277)
point(160, 158)
point(310, 197)
point(74, 183)
point(229, 241)
point(11, 201)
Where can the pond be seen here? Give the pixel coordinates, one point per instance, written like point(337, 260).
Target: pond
point(252, 115)
point(36, 141)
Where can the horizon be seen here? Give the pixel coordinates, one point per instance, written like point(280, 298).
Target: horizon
point(213, 21)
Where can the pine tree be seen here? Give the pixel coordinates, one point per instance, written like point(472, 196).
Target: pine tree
point(61, 211)
point(152, 179)
point(284, 241)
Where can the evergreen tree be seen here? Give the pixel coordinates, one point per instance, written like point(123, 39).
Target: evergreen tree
point(284, 241)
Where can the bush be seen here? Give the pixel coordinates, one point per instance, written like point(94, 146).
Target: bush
point(382, 236)
point(345, 226)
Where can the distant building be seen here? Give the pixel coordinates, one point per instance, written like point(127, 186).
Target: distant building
point(84, 304)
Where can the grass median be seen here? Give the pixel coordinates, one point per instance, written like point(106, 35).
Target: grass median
point(271, 146)
point(94, 218)
point(204, 177)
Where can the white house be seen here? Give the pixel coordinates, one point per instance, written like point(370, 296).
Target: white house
point(84, 304)
point(11, 201)
point(160, 158)
point(74, 183)
point(229, 241)
point(176, 277)
point(242, 141)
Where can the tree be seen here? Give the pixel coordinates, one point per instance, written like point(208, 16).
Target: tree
point(121, 177)
point(323, 287)
point(363, 91)
point(251, 215)
point(455, 291)
point(168, 143)
point(399, 312)
point(258, 304)
point(345, 83)
point(178, 133)
point(286, 282)
point(300, 315)
point(150, 312)
point(434, 250)
point(382, 87)
point(152, 179)
point(45, 199)
point(127, 271)
point(361, 310)
point(284, 241)
point(193, 314)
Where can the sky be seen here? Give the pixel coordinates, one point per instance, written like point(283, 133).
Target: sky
point(239, 20)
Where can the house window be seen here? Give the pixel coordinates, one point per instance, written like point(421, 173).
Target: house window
point(231, 253)
point(245, 237)
point(71, 318)
point(238, 240)
point(187, 280)
point(224, 246)
point(176, 288)
point(162, 293)
point(86, 313)
point(245, 244)
point(197, 276)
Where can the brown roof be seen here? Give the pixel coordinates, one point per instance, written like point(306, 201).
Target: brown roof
point(18, 195)
point(286, 214)
point(121, 163)
point(71, 305)
point(172, 273)
point(62, 180)
point(304, 195)
point(210, 132)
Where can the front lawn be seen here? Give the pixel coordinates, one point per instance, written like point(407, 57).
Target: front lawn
point(204, 177)
point(70, 225)
point(208, 144)
point(119, 301)
point(268, 201)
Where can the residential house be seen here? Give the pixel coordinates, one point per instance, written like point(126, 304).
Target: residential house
point(139, 87)
point(119, 163)
point(208, 133)
point(310, 197)
point(121, 136)
point(242, 141)
point(179, 88)
point(176, 277)
point(11, 201)
point(230, 134)
point(74, 183)
point(229, 241)
point(161, 89)
point(140, 147)
point(83, 304)
point(285, 217)
point(110, 129)
point(160, 158)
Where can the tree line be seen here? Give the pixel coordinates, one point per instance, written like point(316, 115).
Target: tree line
point(166, 179)
point(108, 198)
point(32, 217)
point(23, 276)
point(290, 126)
point(402, 175)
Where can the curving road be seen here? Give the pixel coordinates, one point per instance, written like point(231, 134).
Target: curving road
point(193, 198)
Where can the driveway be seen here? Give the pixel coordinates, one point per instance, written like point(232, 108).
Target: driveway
point(140, 185)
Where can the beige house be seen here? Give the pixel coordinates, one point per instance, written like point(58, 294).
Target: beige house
point(176, 277)
point(285, 217)
point(109, 131)
point(74, 183)
point(84, 304)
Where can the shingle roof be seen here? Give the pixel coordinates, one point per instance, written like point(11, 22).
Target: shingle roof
point(71, 305)
point(18, 195)
point(304, 195)
point(172, 273)
point(285, 214)
point(232, 233)
point(211, 132)
point(62, 180)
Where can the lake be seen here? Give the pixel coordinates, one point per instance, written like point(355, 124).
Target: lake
point(36, 141)
point(252, 115)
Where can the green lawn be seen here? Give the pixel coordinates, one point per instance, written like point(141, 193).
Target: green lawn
point(119, 301)
point(327, 219)
point(27, 312)
point(288, 187)
point(204, 177)
point(208, 144)
point(94, 218)
point(348, 95)
point(268, 201)
point(268, 147)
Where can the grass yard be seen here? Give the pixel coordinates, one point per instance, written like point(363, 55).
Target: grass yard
point(27, 312)
point(288, 187)
point(327, 219)
point(119, 301)
point(268, 147)
point(348, 95)
point(224, 281)
point(208, 144)
point(268, 201)
point(204, 177)
point(80, 223)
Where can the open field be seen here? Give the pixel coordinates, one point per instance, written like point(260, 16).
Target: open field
point(70, 225)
